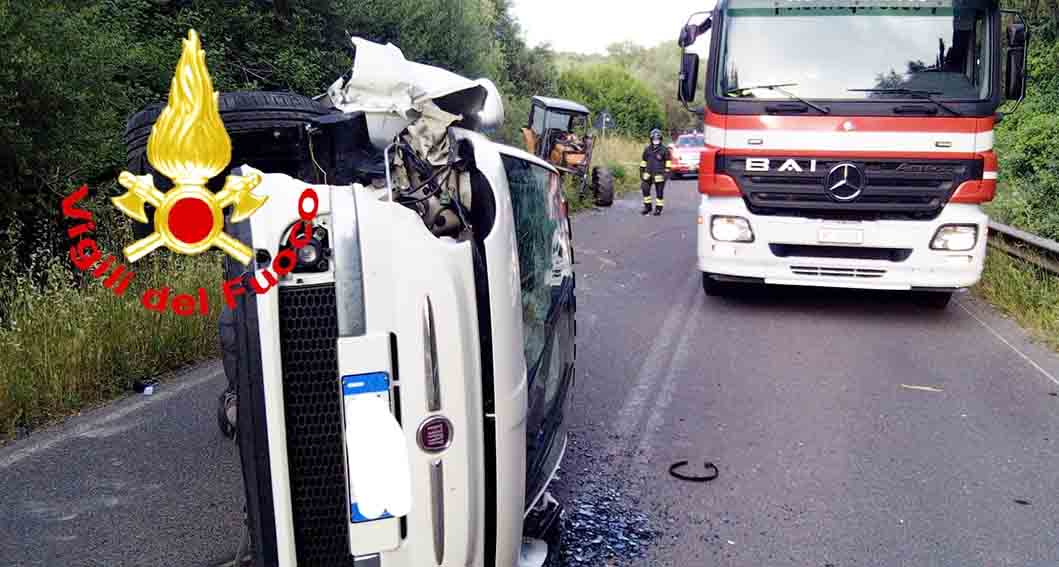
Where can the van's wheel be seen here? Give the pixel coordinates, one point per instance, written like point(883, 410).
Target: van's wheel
point(603, 186)
point(934, 299)
point(266, 128)
point(713, 287)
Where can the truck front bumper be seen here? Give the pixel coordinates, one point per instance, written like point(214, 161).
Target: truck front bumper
point(884, 254)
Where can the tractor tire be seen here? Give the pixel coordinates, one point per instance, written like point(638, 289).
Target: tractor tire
point(267, 131)
point(603, 186)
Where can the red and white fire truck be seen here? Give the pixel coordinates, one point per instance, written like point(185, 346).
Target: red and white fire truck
point(849, 143)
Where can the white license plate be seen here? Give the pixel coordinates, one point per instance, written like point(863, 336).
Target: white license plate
point(841, 236)
point(372, 385)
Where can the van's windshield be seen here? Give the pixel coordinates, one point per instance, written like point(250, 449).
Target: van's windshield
point(862, 53)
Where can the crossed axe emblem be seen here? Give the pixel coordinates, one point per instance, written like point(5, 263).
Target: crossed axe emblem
point(188, 144)
point(188, 218)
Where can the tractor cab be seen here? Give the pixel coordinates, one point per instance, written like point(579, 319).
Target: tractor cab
point(558, 132)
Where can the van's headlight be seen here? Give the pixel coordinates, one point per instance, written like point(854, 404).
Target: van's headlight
point(311, 247)
point(731, 229)
point(955, 237)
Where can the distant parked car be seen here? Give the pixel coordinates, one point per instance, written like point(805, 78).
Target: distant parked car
point(686, 153)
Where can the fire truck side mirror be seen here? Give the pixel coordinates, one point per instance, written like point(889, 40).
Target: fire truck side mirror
point(1015, 81)
point(691, 32)
point(1016, 35)
point(688, 35)
point(1015, 76)
point(689, 77)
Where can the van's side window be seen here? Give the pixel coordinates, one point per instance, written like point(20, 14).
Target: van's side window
point(543, 247)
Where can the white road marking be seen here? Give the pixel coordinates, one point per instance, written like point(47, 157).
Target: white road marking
point(665, 396)
point(1024, 356)
point(655, 361)
point(922, 388)
point(167, 391)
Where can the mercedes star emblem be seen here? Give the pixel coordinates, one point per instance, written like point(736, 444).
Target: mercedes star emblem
point(845, 182)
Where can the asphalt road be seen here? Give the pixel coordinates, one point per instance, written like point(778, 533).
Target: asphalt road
point(798, 396)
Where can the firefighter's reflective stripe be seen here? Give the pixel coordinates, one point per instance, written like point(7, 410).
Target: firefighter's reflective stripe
point(669, 164)
point(647, 200)
point(643, 163)
point(646, 176)
point(660, 202)
point(660, 178)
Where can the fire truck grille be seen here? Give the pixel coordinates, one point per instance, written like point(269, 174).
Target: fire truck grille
point(892, 188)
point(311, 399)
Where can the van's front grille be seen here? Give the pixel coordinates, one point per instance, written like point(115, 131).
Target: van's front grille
point(311, 398)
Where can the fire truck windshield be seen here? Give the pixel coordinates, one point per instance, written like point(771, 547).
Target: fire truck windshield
point(863, 53)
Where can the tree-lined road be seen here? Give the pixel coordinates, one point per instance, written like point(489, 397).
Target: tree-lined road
point(801, 397)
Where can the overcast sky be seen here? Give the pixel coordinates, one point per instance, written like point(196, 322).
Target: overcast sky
point(589, 26)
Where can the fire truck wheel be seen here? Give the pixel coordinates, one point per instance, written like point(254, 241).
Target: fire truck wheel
point(713, 287)
point(934, 299)
point(603, 186)
point(267, 130)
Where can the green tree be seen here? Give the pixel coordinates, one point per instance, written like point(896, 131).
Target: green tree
point(74, 71)
point(636, 109)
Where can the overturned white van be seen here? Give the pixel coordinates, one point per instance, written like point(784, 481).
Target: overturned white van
point(401, 392)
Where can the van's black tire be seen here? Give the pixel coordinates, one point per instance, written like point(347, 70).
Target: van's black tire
point(603, 186)
point(240, 111)
point(243, 113)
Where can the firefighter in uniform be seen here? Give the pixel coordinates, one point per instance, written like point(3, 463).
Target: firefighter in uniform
point(654, 170)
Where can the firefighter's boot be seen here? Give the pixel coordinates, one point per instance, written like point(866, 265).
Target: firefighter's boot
point(646, 206)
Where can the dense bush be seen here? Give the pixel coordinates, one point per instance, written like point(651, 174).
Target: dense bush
point(656, 67)
point(74, 71)
point(1027, 144)
point(635, 108)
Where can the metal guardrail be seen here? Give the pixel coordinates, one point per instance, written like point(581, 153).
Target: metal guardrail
point(1027, 247)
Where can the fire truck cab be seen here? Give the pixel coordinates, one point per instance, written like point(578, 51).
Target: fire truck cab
point(849, 144)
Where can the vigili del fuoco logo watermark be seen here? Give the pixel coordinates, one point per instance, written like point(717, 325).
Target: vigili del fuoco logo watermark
point(189, 145)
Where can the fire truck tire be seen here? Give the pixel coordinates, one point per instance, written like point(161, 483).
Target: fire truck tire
point(603, 186)
point(712, 287)
point(934, 299)
point(243, 113)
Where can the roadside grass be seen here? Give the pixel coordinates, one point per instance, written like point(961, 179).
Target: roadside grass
point(622, 156)
point(1024, 292)
point(67, 343)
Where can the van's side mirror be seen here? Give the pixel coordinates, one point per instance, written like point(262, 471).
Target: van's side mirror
point(689, 77)
point(1015, 78)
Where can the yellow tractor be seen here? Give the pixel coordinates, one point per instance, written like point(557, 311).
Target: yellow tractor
point(559, 132)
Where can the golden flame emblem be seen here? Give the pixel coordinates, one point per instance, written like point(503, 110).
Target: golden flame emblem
point(189, 145)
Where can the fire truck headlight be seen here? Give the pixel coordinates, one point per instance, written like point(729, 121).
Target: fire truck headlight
point(731, 229)
point(955, 238)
